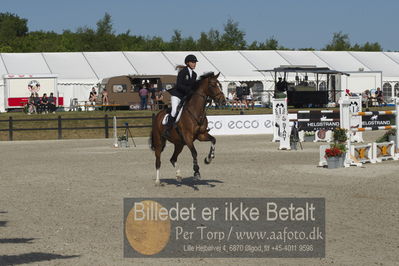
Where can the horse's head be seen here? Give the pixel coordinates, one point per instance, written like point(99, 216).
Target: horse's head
point(214, 89)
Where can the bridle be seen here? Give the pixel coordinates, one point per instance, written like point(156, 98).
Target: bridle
point(209, 88)
point(206, 98)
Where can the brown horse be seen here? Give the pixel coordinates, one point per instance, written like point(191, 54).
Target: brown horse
point(191, 126)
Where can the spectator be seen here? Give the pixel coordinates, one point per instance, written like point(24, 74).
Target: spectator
point(284, 85)
point(93, 96)
point(279, 85)
point(31, 104)
point(151, 90)
point(51, 103)
point(249, 99)
point(160, 104)
point(104, 97)
point(232, 99)
point(36, 102)
point(239, 97)
point(44, 103)
point(366, 98)
point(143, 93)
point(380, 97)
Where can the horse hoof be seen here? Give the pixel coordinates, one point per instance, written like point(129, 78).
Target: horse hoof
point(197, 176)
point(207, 161)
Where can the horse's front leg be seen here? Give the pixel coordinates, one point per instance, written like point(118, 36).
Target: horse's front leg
point(211, 154)
point(190, 145)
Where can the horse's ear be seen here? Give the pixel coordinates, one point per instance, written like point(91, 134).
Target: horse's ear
point(217, 75)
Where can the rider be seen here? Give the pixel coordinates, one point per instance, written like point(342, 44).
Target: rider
point(184, 87)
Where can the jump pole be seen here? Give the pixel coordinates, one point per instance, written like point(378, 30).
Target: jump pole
point(115, 133)
point(346, 116)
point(397, 125)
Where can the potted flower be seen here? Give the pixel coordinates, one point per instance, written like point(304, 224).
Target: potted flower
point(123, 141)
point(335, 155)
point(340, 135)
point(309, 136)
point(391, 134)
point(388, 136)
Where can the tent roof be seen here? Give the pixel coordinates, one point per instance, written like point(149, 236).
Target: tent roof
point(298, 58)
point(3, 69)
point(264, 60)
point(108, 64)
point(69, 65)
point(393, 55)
point(24, 63)
point(233, 66)
point(150, 63)
point(342, 61)
point(378, 61)
point(203, 66)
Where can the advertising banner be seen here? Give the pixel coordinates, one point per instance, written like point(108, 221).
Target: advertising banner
point(240, 124)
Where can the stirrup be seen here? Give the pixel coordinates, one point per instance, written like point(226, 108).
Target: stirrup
point(168, 127)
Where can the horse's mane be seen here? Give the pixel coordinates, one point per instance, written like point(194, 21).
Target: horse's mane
point(207, 75)
point(202, 78)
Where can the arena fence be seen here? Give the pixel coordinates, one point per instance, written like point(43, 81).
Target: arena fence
point(59, 128)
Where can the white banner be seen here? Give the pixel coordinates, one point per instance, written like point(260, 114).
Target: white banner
point(240, 124)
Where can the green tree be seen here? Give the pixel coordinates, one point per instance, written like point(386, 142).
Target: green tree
point(204, 43)
point(215, 39)
point(175, 43)
point(339, 42)
point(85, 40)
point(233, 37)
point(271, 44)
point(104, 25)
point(368, 47)
point(189, 44)
point(11, 27)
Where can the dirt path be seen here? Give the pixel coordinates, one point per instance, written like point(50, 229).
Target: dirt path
point(61, 201)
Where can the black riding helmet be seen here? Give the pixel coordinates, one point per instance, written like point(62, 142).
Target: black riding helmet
point(190, 58)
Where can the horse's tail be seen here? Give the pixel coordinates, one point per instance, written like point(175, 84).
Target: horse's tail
point(151, 139)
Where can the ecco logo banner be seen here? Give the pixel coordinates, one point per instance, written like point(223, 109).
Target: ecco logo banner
point(240, 124)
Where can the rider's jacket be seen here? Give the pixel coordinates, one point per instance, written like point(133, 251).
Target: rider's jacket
point(184, 83)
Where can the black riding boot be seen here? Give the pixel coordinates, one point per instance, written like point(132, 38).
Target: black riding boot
point(169, 126)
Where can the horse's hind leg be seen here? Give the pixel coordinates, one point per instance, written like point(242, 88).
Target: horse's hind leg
point(159, 143)
point(211, 154)
point(173, 160)
point(157, 164)
point(197, 175)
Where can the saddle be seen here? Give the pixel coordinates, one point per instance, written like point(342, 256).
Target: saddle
point(178, 113)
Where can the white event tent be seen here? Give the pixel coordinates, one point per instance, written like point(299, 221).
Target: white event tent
point(77, 72)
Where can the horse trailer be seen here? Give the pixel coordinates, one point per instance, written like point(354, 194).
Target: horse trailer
point(123, 90)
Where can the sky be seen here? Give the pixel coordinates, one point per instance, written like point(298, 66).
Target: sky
point(294, 23)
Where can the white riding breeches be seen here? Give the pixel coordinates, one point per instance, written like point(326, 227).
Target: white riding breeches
point(175, 102)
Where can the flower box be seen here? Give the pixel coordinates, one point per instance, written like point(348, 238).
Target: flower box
point(123, 142)
point(335, 156)
point(334, 162)
point(308, 138)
